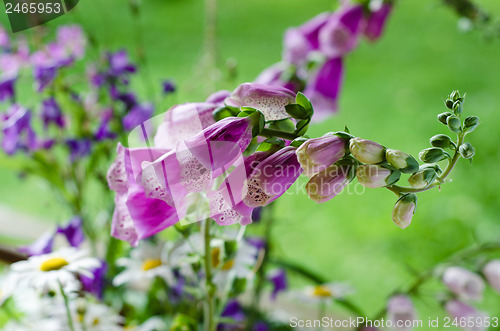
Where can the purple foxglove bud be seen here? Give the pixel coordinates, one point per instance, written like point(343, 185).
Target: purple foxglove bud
point(491, 272)
point(272, 177)
point(406, 163)
point(367, 151)
point(461, 311)
point(423, 178)
point(404, 209)
point(400, 311)
point(270, 100)
point(377, 20)
point(340, 34)
point(374, 176)
point(464, 283)
point(219, 145)
point(183, 122)
point(323, 88)
point(51, 113)
point(17, 131)
point(278, 279)
point(218, 97)
point(317, 154)
point(326, 184)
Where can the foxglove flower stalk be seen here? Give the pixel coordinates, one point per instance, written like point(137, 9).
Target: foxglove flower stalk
point(400, 311)
point(272, 177)
point(374, 176)
point(491, 272)
point(317, 154)
point(183, 122)
point(326, 184)
point(367, 151)
point(461, 311)
point(404, 209)
point(464, 283)
point(341, 33)
point(270, 100)
point(406, 163)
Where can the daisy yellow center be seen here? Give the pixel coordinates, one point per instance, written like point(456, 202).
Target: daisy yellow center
point(151, 264)
point(215, 256)
point(322, 291)
point(55, 263)
point(228, 265)
point(96, 322)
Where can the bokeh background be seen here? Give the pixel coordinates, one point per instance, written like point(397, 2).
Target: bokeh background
point(392, 93)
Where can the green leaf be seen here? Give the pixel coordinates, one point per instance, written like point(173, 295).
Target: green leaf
point(271, 143)
point(303, 101)
point(224, 112)
point(286, 125)
point(302, 126)
point(297, 111)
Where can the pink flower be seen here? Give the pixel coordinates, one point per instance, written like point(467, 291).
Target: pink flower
point(404, 209)
point(376, 21)
point(72, 38)
point(400, 311)
point(270, 100)
point(183, 122)
point(492, 273)
point(326, 184)
point(317, 154)
point(461, 311)
point(464, 283)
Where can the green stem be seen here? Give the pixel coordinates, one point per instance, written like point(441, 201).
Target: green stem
point(68, 311)
point(209, 308)
point(451, 164)
point(269, 133)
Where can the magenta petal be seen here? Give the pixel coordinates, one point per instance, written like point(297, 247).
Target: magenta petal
point(377, 21)
point(324, 87)
point(149, 216)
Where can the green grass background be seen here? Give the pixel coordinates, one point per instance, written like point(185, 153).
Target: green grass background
point(392, 94)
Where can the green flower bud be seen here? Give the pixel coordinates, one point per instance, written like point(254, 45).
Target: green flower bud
point(404, 209)
point(449, 103)
point(471, 123)
point(422, 178)
point(402, 161)
point(454, 124)
point(441, 140)
point(367, 151)
point(374, 176)
point(458, 108)
point(433, 155)
point(443, 117)
point(466, 150)
point(455, 96)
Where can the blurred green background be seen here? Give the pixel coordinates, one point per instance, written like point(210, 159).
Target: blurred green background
point(392, 93)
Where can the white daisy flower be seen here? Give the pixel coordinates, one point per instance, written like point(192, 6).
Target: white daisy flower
point(6, 287)
point(97, 317)
point(154, 323)
point(36, 325)
point(146, 262)
point(324, 293)
point(50, 271)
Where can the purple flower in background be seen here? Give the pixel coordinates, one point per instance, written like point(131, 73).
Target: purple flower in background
point(340, 34)
point(377, 20)
point(260, 326)
point(278, 279)
point(17, 130)
point(103, 131)
point(95, 284)
point(72, 39)
point(270, 100)
point(257, 215)
point(128, 99)
point(137, 115)
point(400, 309)
point(464, 283)
point(491, 272)
point(257, 242)
point(43, 245)
point(51, 113)
point(168, 87)
point(78, 148)
point(4, 38)
point(73, 231)
point(119, 64)
point(234, 311)
point(7, 88)
point(323, 88)
point(461, 311)
point(44, 76)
